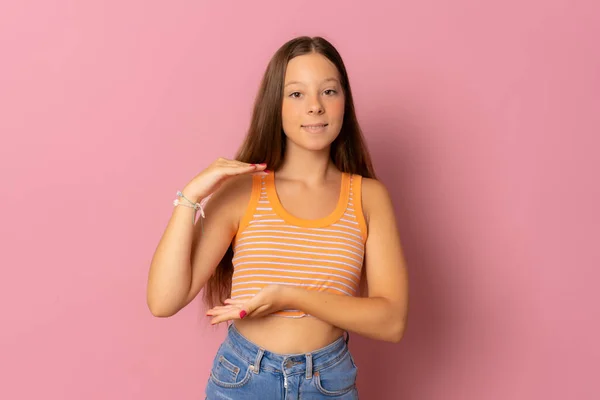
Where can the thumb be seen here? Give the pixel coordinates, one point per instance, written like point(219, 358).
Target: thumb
point(249, 307)
point(246, 310)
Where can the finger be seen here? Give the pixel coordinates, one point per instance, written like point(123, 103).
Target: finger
point(237, 163)
point(226, 163)
point(220, 310)
point(235, 301)
point(259, 311)
point(248, 308)
point(231, 315)
point(217, 313)
point(258, 166)
point(241, 163)
point(237, 313)
point(223, 306)
point(239, 170)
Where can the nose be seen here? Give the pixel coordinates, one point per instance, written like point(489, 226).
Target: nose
point(315, 107)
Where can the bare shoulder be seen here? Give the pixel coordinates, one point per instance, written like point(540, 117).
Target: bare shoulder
point(375, 198)
point(232, 197)
point(233, 190)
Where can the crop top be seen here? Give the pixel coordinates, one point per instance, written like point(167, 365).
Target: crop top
point(272, 246)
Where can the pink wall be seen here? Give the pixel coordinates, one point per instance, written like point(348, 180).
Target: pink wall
point(482, 119)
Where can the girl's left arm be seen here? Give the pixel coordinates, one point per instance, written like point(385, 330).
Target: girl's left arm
point(382, 315)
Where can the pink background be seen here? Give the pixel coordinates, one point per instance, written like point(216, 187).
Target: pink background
point(482, 118)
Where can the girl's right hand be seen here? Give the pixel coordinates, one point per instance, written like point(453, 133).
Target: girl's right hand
point(209, 180)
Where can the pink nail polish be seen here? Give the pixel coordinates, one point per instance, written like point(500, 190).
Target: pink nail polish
point(242, 314)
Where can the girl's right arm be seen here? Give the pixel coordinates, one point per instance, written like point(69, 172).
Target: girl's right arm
point(186, 257)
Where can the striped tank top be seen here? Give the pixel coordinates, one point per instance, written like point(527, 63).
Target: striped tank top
point(273, 246)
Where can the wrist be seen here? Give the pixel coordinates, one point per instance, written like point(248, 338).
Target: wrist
point(287, 295)
point(193, 197)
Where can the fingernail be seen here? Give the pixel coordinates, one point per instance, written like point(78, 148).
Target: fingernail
point(242, 314)
point(261, 164)
point(267, 171)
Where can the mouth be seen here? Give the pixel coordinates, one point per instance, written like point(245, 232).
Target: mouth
point(322, 125)
point(315, 127)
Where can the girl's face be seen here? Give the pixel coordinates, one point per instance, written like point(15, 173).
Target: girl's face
point(313, 102)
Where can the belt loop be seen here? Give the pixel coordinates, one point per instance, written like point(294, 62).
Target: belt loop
point(256, 367)
point(309, 366)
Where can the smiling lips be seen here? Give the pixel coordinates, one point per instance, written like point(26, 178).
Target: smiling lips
point(315, 127)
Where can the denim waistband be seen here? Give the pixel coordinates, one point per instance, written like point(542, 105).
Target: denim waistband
point(288, 364)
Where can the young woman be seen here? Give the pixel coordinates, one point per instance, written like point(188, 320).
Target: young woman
point(297, 245)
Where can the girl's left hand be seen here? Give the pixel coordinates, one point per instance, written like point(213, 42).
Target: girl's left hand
point(269, 300)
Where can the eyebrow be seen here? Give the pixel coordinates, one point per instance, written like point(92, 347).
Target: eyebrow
point(300, 83)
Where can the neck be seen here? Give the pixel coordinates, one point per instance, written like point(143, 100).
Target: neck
point(309, 166)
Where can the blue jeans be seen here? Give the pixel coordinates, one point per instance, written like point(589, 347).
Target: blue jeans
point(242, 370)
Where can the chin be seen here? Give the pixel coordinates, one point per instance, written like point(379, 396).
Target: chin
point(317, 147)
point(312, 142)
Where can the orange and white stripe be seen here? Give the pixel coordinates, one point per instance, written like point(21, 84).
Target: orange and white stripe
point(274, 247)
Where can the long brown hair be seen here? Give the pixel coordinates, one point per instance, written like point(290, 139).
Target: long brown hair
point(265, 141)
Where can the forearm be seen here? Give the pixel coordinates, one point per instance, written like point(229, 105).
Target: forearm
point(170, 271)
point(373, 317)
